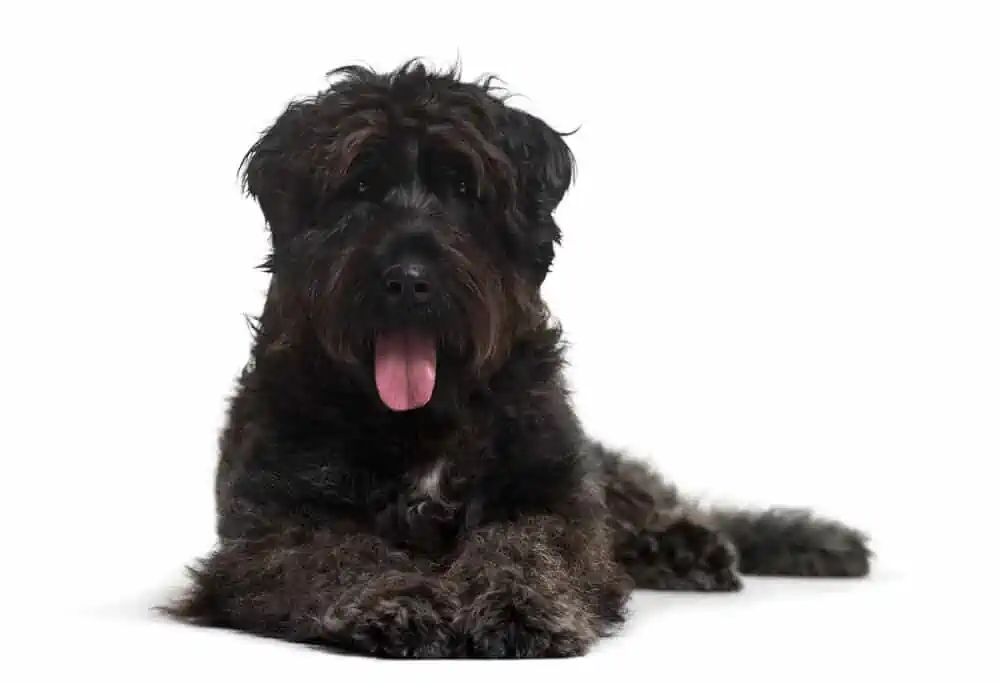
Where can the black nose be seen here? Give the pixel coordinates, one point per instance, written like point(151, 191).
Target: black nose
point(408, 281)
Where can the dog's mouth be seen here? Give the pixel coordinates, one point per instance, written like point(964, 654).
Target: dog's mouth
point(405, 369)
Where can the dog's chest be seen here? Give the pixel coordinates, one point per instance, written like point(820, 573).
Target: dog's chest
point(427, 511)
point(429, 486)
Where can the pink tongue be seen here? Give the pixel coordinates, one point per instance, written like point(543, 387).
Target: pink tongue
point(405, 370)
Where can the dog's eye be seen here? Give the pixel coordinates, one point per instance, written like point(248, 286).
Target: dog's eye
point(459, 182)
point(359, 188)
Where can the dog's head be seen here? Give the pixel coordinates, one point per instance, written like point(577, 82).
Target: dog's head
point(411, 224)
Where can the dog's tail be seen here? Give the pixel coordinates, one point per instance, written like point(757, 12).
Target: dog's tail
point(794, 542)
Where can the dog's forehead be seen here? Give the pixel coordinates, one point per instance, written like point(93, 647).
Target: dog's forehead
point(402, 122)
point(413, 103)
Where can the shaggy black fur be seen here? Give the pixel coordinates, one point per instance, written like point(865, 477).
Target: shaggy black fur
point(483, 522)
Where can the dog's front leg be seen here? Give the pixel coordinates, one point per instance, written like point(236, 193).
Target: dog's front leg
point(347, 590)
point(537, 587)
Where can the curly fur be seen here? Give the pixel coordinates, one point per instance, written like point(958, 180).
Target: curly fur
point(486, 523)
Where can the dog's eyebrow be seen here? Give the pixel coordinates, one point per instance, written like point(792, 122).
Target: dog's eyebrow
point(488, 163)
point(345, 149)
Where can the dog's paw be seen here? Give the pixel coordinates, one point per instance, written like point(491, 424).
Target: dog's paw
point(688, 556)
point(395, 616)
point(516, 621)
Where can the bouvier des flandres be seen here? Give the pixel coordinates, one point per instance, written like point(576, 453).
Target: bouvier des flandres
point(401, 472)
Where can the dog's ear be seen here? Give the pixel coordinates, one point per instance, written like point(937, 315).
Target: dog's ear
point(274, 174)
point(545, 164)
point(545, 170)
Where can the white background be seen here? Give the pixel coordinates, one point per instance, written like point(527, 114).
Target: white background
point(792, 208)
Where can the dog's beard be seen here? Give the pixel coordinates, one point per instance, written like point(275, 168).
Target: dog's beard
point(405, 359)
point(467, 329)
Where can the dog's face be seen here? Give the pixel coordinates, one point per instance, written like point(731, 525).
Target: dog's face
point(411, 225)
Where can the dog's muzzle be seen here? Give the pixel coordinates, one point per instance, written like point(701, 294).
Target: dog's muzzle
point(405, 360)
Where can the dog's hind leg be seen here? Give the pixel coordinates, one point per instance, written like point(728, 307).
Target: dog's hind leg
point(663, 542)
point(669, 543)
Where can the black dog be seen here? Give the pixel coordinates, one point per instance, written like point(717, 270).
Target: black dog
point(402, 473)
